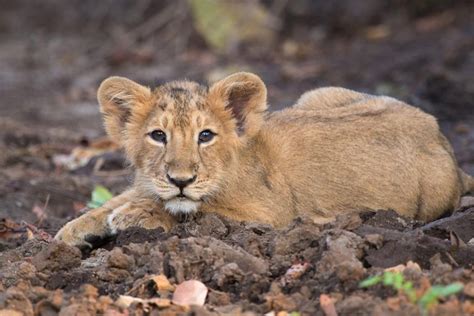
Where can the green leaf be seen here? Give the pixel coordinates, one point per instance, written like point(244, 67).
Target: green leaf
point(388, 278)
point(407, 288)
point(295, 314)
point(438, 291)
point(428, 298)
point(100, 195)
point(371, 281)
point(398, 281)
point(451, 289)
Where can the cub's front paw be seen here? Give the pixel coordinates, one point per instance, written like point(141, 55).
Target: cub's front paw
point(86, 230)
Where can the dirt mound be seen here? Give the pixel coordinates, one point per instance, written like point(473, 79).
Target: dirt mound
point(247, 267)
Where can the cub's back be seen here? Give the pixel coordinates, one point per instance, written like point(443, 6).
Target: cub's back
point(363, 151)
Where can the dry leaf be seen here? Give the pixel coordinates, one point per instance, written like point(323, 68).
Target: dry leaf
point(124, 301)
point(81, 155)
point(190, 292)
point(327, 305)
point(295, 271)
point(33, 231)
point(401, 267)
point(162, 283)
point(10, 229)
point(159, 302)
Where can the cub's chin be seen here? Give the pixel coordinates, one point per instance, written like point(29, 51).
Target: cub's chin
point(181, 206)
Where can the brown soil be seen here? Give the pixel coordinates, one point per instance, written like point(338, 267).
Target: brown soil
point(48, 81)
point(245, 265)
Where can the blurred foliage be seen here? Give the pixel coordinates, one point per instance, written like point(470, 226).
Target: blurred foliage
point(226, 24)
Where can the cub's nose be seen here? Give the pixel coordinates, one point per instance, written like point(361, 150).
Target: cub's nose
point(181, 183)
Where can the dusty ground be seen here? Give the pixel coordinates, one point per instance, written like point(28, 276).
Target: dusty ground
point(48, 107)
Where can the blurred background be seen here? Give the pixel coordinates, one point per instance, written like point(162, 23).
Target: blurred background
point(53, 55)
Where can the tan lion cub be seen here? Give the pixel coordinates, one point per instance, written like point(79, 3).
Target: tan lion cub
point(219, 150)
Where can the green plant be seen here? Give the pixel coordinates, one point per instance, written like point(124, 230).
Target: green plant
point(397, 281)
point(436, 292)
point(99, 196)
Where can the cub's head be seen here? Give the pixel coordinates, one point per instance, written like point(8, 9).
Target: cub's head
point(183, 138)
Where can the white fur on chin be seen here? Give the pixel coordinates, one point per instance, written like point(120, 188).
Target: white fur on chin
point(181, 206)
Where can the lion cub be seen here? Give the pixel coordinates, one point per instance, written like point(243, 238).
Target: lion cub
point(218, 150)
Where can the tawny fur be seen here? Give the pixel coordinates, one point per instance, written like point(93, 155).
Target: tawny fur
point(334, 151)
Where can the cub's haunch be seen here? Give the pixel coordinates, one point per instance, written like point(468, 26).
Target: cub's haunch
point(217, 149)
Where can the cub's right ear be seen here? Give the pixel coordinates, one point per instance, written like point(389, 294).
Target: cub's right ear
point(118, 97)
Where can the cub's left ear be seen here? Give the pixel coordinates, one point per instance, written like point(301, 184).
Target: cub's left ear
point(245, 96)
point(119, 98)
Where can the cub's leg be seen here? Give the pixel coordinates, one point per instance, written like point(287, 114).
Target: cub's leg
point(140, 212)
point(123, 211)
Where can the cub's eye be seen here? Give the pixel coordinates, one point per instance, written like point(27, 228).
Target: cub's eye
point(206, 136)
point(158, 136)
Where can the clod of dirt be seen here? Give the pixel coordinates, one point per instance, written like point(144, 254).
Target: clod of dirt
point(390, 220)
point(57, 256)
point(14, 299)
point(357, 304)
point(342, 256)
point(117, 259)
point(462, 224)
point(136, 235)
point(245, 267)
point(182, 255)
point(302, 235)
